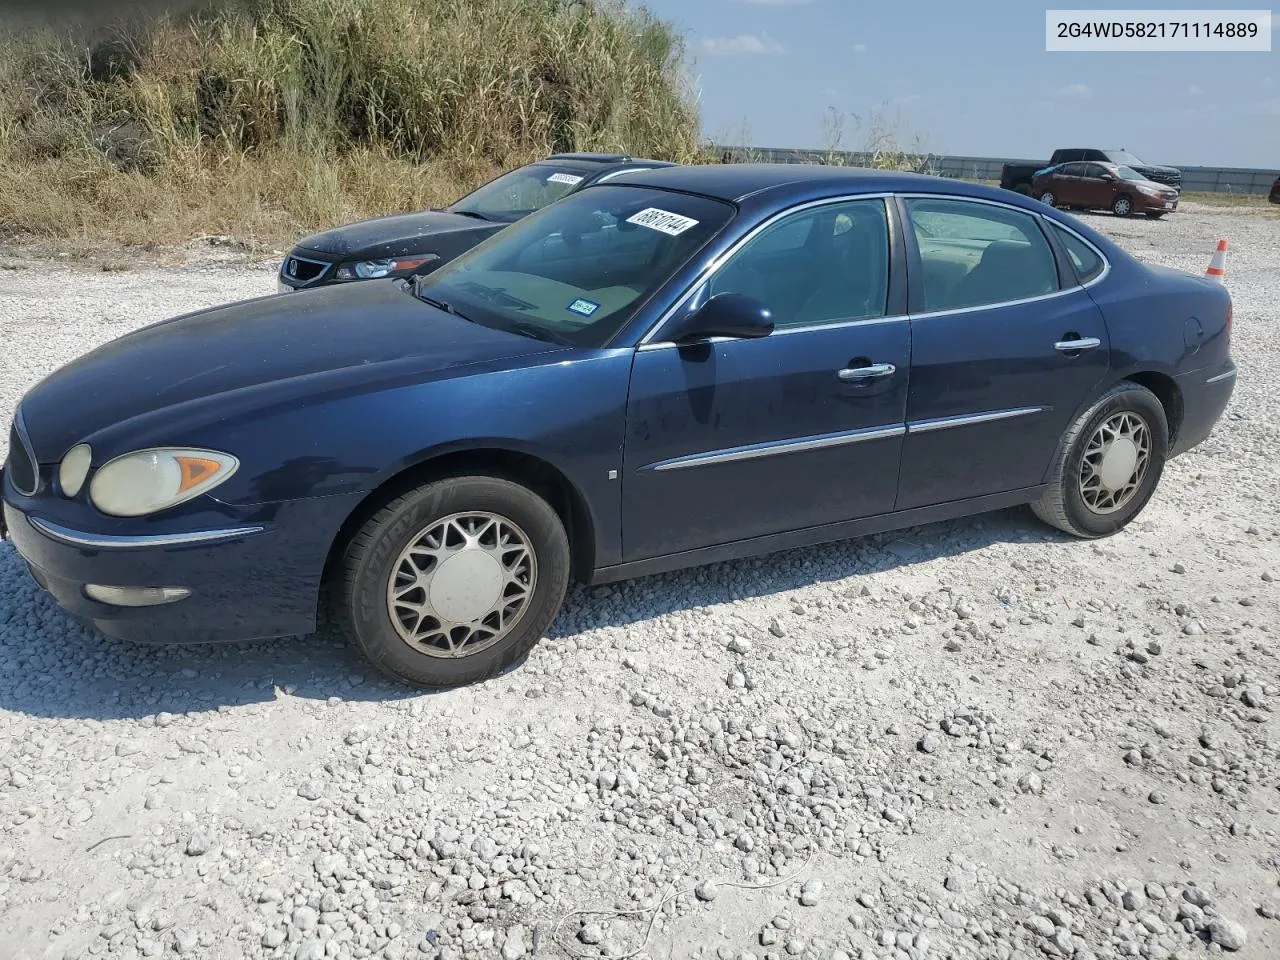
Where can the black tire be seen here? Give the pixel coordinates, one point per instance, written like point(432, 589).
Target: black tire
point(1155, 214)
point(1062, 505)
point(1122, 206)
point(370, 559)
point(1023, 188)
point(1047, 198)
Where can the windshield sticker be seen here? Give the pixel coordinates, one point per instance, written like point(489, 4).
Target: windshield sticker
point(584, 307)
point(568, 178)
point(664, 221)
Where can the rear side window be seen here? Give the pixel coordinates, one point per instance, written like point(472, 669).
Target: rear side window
point(975, 254)
point(1084, 261)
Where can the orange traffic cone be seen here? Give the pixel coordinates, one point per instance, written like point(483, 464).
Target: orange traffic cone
point(1218, 264)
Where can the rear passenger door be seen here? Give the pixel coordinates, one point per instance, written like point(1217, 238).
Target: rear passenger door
point(1003, 351)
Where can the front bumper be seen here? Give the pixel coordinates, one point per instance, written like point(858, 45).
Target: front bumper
point(1144, 204)
point(249, 579)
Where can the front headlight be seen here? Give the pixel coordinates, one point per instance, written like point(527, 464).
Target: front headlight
point(74, 468)
point(373, 269)
point(1150, 191)
point(147, 481)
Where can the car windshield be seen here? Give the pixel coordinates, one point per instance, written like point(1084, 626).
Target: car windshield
point(522, 191)
point(1123, 157)
point(576, 271)
point(1128, 173)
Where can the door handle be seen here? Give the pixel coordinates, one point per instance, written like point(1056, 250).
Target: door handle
point(874, 371)
point(1080, 343)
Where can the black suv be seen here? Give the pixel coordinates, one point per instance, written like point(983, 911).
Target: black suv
point(408, 244)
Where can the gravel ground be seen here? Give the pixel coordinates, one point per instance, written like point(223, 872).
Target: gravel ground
point(973, 739)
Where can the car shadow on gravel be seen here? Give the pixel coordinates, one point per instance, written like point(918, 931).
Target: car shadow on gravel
point(51, 665)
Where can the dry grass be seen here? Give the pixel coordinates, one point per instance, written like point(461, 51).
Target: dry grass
point(264, 119)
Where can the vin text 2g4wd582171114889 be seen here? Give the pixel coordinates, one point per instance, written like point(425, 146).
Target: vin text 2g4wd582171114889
point(678, 366)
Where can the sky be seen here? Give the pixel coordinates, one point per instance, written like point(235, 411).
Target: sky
point(970, 79)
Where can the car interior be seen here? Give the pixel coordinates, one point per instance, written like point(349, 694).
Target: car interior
point(969, 260)
point(828, 265)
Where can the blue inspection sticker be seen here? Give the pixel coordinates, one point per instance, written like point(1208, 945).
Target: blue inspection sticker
point(584, 307)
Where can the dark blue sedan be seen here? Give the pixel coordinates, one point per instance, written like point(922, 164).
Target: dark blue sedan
point(678, 366)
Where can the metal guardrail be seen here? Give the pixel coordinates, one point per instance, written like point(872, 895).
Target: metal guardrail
point(1241, 180)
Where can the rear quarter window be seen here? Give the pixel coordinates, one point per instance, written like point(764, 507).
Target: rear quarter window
point(1084, 261)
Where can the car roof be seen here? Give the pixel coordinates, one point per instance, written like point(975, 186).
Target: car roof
point(607, 158)
point(735, 182)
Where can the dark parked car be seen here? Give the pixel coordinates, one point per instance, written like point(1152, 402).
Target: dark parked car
point(1275, 191)
point(406, 244)
point(675, 367)
point(1019, 176)
point(1103, 186)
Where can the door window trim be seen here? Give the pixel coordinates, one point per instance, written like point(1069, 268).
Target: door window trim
point(913, 253)
point(892, 213)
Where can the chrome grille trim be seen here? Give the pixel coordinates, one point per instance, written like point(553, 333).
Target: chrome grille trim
point(292, 278)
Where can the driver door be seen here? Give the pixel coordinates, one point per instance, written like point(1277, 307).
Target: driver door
point(731, 439)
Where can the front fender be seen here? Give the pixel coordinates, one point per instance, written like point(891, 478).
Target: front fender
point(568, 410)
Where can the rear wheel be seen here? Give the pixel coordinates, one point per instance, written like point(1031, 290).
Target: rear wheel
point(454, 581)
point(1108, 464)
point(1048, 198)
point(1122, 206)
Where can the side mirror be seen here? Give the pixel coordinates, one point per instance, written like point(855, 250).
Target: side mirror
point(726, 315)
point(1109, 177)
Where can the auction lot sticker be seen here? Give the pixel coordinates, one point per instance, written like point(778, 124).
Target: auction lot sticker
point(1158, 31)
point(663, 220)
point(568, 178)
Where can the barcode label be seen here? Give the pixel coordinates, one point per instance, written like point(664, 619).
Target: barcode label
point(568, 178)
point(663, 220)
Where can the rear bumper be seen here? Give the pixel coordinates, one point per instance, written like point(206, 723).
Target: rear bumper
point(1205, 395)
point(247, 581)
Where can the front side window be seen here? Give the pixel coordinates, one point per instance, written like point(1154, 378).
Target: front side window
point(975, 254)
point(828, 264)
point(1094, 171)
point(522, 191)
point(576, 271)
point(1086, 263)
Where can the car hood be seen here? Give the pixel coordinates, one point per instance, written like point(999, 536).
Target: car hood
point(259, 351)
point(1153, 168)
point(395, 235)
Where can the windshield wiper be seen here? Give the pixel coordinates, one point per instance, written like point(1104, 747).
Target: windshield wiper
point(473, 215)
point(538, 333)
point(445, 305)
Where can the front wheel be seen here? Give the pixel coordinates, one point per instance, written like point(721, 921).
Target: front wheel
point(1108, 464)
point(454, 581)
point(1122, 206)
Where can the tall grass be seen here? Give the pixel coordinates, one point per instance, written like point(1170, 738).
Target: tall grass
point(271, 116)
